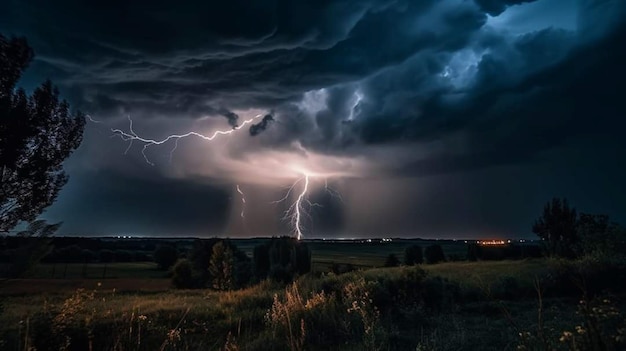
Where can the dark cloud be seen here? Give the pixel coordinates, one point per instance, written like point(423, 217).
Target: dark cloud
point(255, 129)
point(231, 117)
point(450, 86)
point(265, 54)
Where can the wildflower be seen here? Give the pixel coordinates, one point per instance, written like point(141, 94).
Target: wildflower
point(566, 336)
point(173, 335)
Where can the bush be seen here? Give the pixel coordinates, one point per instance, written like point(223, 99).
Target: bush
point(341, 268)
point(165, 256)
point(413, 255)
point(434, 254)
point(182, 275)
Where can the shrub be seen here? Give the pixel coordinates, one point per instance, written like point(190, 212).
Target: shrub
point(434, 254)
point(341, 268)
point(165, 256)
point(182, 275)
point(413, 255)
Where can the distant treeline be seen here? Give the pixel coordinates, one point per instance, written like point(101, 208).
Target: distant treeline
point(220, 265)
point(84, 250)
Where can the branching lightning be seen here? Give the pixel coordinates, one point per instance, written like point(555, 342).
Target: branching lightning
point(132, 136)
point(297, 212)
point(301, 207)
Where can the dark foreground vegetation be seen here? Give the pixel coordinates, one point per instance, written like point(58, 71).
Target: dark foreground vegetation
point(534, 304)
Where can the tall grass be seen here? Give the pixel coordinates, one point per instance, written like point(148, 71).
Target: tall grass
point(449, 306)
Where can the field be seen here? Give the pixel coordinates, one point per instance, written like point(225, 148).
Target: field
point(489, 305)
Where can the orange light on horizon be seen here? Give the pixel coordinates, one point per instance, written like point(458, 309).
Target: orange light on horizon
point(492, 242)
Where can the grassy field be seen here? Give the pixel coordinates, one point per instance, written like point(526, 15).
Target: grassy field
point(98, 271)
point(448, 306)
point(435, 307)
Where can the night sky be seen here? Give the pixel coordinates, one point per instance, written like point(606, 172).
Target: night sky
point(430, 118)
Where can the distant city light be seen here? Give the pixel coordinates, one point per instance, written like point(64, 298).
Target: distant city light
point(492, 242)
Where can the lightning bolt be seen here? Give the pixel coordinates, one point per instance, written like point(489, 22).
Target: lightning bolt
point(243, 202)
point(296, 212)
point(298, 207)
point(301, 207)
point(131, 136)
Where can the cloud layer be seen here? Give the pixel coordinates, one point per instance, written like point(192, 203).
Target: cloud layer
point(378, 90)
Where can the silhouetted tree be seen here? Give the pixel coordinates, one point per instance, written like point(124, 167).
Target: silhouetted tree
point(597, 235)
point(200, 256)
point(392, 261)
point(222, 267)
point(413, 255)
point(281, 259)
point(165, 256)
point(434, 254)
point(37, 133)
point(557, 226)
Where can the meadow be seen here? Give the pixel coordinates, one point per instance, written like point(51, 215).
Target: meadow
point(486, 305)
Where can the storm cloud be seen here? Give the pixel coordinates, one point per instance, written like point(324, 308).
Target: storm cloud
point(358, 91)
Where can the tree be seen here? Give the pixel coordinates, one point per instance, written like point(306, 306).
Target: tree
point(282, 258)
point(413, 255)
point(165, 256)
point(200, 256)
point(434, 254)
point(557, 226)
point(597, 235)
point(392, 261)
point(37, 133)
point(222, 267)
